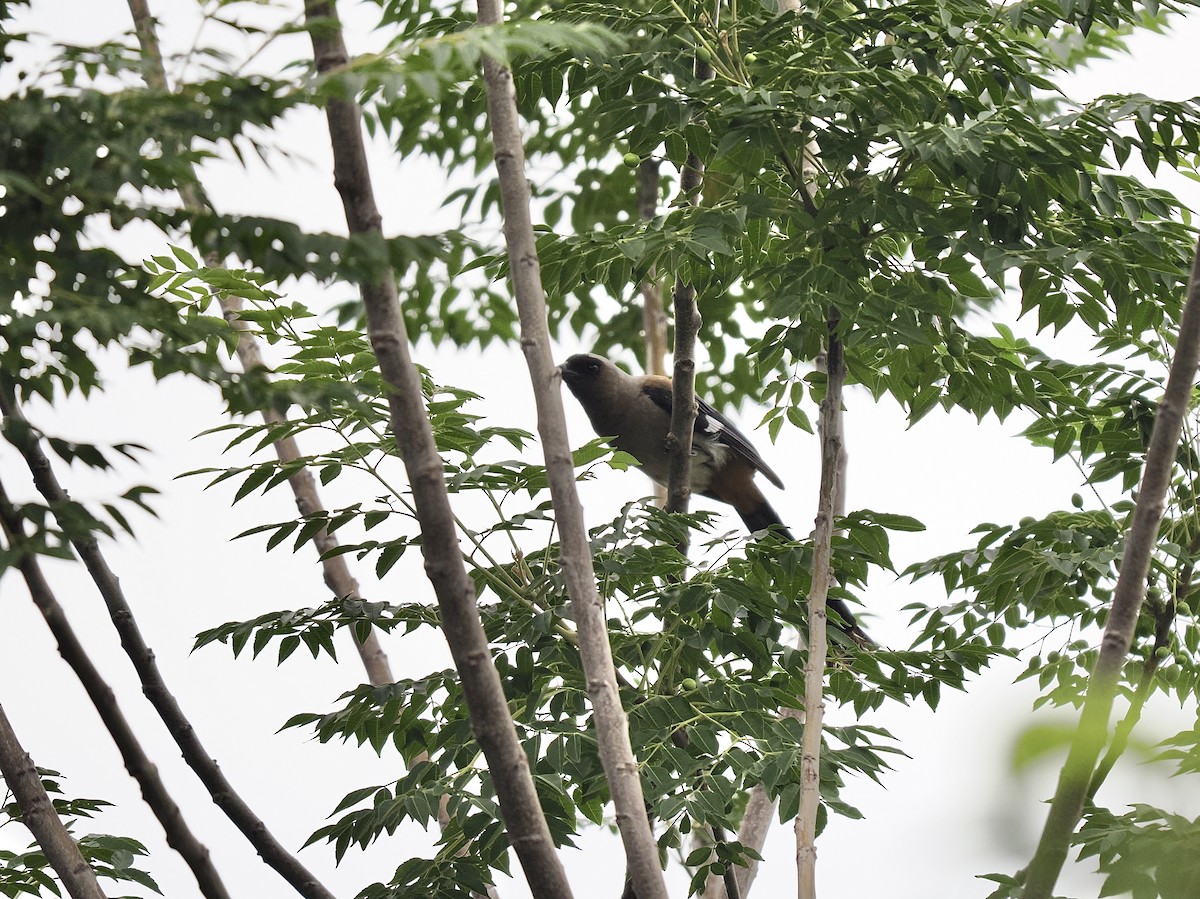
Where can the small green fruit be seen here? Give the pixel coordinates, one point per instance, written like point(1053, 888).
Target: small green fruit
point(688, 683)
point(704, 54)
point(632, 160)
point(1182, 608)
point(1169, 675)
point(1076, 500)
point(751, 58)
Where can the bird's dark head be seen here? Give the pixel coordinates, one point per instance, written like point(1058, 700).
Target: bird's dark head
point(585, 373)
point(603, 390)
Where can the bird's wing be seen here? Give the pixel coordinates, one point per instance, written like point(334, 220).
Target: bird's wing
point(712, 425)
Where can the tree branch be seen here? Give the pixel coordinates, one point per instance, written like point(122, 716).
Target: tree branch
point(1164, 616)
point(729, 879)
point(137, 763)
point(22, 436)
point(822, 578)
point(760, 808)
point(304, 486)
point(1067, 805)
point(687, 326)
point(612, 727)
point(654, 316)
point(37, 813)
point(491, 721)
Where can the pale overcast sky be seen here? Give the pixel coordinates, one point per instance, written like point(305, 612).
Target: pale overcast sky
point(954, 810)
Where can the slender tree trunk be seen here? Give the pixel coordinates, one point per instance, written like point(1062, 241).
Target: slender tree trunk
point(338, 578)
point(1067, 805)
point(822, 576)
point(491, 721)
point(760, 808)
point(612, 726)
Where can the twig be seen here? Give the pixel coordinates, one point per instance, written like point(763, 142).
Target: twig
point(612, 727)
point(19, 433)
point(304, 486)
point(822, 577)
point(37, 813)
point(491, 721)
point(137, 763)
point(1067, 805)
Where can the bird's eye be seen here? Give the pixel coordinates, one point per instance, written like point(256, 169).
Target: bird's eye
point(593, 366)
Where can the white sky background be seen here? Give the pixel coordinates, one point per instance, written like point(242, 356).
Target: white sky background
point(955, 809)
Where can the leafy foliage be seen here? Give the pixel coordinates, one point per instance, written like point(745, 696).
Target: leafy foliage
point(1145, 852)
point(29, 874)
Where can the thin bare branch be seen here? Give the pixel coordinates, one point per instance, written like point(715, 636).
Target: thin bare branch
point(137, 763)
point(334, 567)
point(22, 436)
point(37, 813)
point(491, 721)
point(612, 727)
point(1067, 805)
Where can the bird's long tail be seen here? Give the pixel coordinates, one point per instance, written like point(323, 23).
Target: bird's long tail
point(760, 517)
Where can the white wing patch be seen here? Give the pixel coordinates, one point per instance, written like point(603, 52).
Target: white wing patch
point(708, 455)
